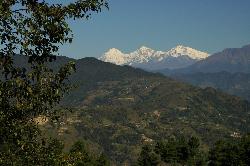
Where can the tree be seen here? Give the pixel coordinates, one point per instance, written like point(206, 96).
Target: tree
point(177, 151)
point(225, 153)
point(230, 152)
point(148, 157)
point(80, 156)
point(34, 29)
point(245, 145)
point(102, 160)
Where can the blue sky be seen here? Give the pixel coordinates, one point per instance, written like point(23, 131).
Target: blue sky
point(207, 25)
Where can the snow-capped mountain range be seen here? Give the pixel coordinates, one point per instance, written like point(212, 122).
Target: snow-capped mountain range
point(150, 59)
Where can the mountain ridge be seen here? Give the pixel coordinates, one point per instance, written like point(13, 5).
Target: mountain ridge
point(232, 83)
point(180, 55)
point(228, 70)
point(231, 60)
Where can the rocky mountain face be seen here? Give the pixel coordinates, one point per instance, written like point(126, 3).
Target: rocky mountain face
point(149, 59)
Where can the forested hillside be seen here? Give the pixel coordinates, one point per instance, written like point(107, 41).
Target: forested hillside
point(120, 108)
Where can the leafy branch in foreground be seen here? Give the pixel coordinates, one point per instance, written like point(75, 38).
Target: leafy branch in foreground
point(36, 30)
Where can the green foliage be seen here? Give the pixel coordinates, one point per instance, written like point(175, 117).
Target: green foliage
point(230, 152)
point(226, 152)
point(148, 157)
point(180, 151)
point(31, 152)
point(102, 161)
point(80, 156)
point(34, 29)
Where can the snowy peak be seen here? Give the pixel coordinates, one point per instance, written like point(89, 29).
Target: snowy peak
point(144, 49)
point(114, 51)
point(190, 52)
point(115, 56)
point(142, 55)
point(145, 56)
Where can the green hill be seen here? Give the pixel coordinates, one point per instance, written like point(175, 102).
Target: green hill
point(117, 109)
